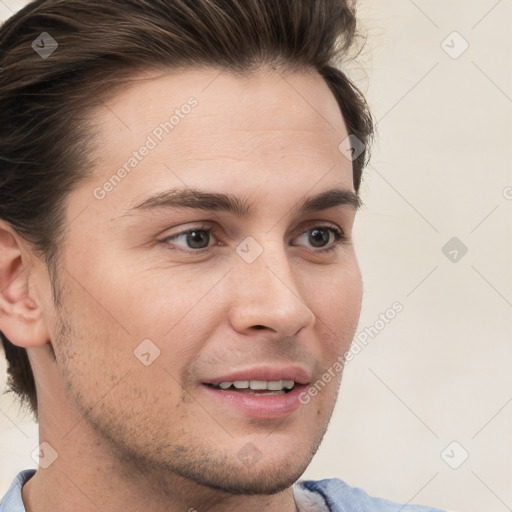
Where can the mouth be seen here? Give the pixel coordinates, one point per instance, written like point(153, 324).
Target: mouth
point(263, 392)
point(256, 403)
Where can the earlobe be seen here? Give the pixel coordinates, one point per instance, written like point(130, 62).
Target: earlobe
point(21, 319)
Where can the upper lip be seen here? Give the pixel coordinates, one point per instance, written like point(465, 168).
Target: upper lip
point(267, 373)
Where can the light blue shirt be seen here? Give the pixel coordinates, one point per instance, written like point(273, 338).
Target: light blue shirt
point(331, 495)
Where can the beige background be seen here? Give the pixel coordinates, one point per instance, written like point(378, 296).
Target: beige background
point(439, 372)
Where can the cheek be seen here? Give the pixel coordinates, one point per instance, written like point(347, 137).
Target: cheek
point(335, 298)
point(178, 312)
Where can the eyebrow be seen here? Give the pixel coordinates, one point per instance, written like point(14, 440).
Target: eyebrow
point(209, 201)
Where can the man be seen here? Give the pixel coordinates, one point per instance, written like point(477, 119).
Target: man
point(178, 186)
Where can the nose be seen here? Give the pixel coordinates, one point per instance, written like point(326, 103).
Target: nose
point(267, 296)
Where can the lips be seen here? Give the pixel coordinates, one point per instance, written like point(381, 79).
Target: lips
point(262, 392)
point(256, 404)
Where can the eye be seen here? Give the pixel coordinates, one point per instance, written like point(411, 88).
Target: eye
point(320, 236)
point(196, 238)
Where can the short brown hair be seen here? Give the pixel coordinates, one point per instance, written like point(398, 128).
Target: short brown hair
point(44, 99)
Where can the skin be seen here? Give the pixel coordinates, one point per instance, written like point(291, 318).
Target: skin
point(132, 437)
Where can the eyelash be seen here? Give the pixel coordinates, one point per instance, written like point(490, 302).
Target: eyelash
point(339, 238)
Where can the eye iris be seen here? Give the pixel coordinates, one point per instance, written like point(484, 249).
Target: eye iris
point(196, 239)
point(319, 237)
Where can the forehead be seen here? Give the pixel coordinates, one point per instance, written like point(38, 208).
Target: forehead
point(232, 131)
point(305, 91)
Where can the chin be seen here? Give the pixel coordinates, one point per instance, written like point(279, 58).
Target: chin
point(265, 481)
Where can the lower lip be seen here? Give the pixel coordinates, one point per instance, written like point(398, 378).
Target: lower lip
point(260, 406)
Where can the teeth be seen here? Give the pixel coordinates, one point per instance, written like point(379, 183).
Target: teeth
point(288, 384)
point(275, 385)
point(259, 385)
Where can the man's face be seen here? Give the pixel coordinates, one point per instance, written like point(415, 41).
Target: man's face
point(153, 320)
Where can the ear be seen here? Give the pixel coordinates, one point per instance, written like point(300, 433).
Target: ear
point(21, 319)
